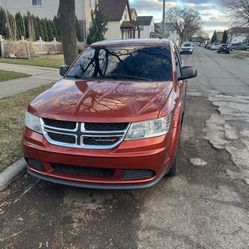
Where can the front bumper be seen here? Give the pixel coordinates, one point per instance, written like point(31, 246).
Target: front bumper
point(186, 51)
point(151, 154)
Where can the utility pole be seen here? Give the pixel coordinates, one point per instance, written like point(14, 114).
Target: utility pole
point(163, 23)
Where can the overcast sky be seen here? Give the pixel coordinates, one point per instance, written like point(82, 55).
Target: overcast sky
point(212, 12)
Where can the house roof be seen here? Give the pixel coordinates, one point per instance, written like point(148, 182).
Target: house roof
point(133, 10)
point(243, 30)
point(127, 25)
point(144, 20)
point(113, 10)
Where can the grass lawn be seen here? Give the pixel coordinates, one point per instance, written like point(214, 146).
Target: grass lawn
point(53, 61)
point(9, 75)
point(242, 54)
point(12, 110)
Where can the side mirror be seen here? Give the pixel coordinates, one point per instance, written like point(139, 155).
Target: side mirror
point(63, 69)
point(188, 72)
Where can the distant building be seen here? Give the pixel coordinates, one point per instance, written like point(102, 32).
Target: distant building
point(170, 31)
point(238, 35)
point(146, 26)
point(120, 18)
point(219, 36)
point(49, 8)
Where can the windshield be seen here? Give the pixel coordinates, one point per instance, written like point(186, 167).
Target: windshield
point(137, 63)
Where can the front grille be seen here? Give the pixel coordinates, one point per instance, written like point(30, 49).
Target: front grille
point(100, 140)
point(84, 135)
point(128, 174)
point(132, 174)
point(60, 124)
point(106, 126)
point(62, 138)
point(79, 171)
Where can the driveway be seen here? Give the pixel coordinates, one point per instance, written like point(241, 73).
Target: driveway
point(205, 206)
point(40, 76)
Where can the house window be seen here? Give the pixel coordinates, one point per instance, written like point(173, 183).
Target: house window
point(36, 2)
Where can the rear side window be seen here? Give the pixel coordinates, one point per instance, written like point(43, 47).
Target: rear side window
point(138, 63)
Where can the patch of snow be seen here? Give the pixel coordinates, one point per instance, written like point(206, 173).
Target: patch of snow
point(198, 162)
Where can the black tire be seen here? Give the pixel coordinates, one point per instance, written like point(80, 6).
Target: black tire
point(173, 170)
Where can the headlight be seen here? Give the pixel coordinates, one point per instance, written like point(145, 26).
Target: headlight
point(150, 128)
point(32, 122)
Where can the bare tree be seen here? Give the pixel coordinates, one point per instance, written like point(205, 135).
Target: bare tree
point(186, 22)
point(66, 16)
point(239, 10)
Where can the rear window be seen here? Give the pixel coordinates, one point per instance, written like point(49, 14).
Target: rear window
point(134, 63)
point(187, 45)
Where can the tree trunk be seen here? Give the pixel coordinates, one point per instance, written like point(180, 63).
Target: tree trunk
point(66, 16)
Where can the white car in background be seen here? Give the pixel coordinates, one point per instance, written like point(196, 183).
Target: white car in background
point(187, 48)
point(215, 46)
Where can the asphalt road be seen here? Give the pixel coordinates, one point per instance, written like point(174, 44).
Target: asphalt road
point(205, 206)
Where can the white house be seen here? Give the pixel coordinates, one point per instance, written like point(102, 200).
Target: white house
point(146, 26)
point(238, 35)
point(118, 15)
point(49, 9)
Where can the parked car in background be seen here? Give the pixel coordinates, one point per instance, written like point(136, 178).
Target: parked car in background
point(247, 47)
point(237, 46)
point(187, 48)
point(224, 48)
point(114, 120)
point(215, 46)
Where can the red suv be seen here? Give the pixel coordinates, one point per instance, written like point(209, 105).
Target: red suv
point(114, 120)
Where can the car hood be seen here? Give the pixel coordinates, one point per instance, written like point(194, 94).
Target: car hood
point(102, 101)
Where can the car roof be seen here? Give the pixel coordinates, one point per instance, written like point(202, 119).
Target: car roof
point(133, 42)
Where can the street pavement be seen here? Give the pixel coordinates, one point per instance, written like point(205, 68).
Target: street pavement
point(39, 76)
point(205, 206)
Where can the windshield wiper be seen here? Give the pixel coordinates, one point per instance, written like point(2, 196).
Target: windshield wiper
point(73, 76)
point(125, 76)
point(110, 76)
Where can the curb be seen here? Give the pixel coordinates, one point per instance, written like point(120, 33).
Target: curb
point(12, 173)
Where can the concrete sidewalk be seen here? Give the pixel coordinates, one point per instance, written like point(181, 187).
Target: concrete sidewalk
point(40, 76)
